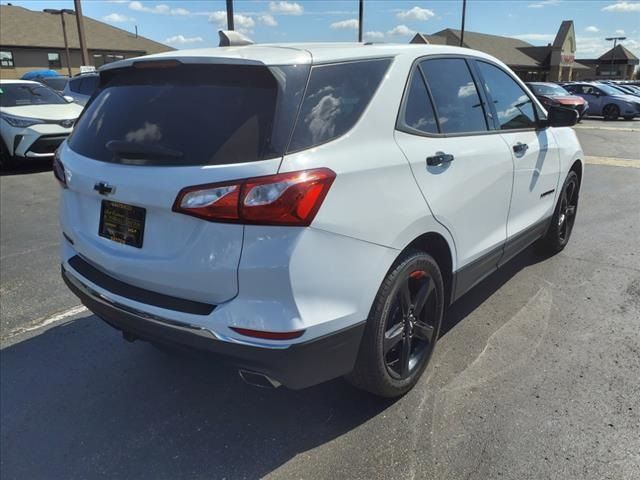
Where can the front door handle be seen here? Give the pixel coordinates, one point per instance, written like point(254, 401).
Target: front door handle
point(439, 158)
point(520, 147)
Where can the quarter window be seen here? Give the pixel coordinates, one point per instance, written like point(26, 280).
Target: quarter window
point(456, 98)
point(54, 60)
point(335, 98)
point(418, 110)
point(513, 106)
point(6, 59)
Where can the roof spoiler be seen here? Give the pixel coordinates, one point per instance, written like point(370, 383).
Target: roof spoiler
point(231, 38)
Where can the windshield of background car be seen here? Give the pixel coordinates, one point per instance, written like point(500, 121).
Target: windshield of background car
point(188, 115)
point(610, 90)
point(57, 83)
point(24, 94)
point(550, 90)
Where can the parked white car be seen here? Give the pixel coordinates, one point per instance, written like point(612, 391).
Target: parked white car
point(34, 121)
point(309, 211)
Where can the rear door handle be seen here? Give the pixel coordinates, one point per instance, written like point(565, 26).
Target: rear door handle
point(520, 147)
point(439, 158)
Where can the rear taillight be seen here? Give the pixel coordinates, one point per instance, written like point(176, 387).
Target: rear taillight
point(58, 171)
point(291, 198)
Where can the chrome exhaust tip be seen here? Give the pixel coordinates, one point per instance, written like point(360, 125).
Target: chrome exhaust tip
point(258, 379)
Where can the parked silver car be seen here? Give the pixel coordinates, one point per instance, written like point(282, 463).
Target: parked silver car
point(606, 101)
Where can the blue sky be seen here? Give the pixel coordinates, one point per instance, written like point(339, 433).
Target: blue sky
point(187, 24)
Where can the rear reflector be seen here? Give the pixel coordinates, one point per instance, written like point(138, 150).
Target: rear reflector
point(291, 198)
point(268, 335)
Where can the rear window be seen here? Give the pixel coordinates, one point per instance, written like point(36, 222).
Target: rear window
point(191, 115)
point(335, 98)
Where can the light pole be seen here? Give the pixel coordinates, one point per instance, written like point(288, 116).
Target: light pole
point(81, 37)
point(64, 31)
point(613, 50)
point(464, 14)
point(360, 15)
point(229, 14)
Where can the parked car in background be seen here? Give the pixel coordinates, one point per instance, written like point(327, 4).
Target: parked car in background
point(298, 210)
point(625, 89)
point(57, 83)
point(553, 95)
point(34, 121)
point(81, 87)
point(35, 74)
point(606, 101)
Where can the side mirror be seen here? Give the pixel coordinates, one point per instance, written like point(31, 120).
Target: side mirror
point(561, 117)
point(69, 99)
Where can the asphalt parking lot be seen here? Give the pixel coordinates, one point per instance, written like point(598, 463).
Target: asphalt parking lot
point(535, 377)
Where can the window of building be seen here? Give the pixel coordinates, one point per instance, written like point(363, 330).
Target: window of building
point(455, 95)
point(6, 59)
point(418, 112)
point(98, 60)
point(54, 60)
point(513, 106)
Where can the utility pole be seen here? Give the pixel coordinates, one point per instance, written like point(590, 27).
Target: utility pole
point(230, 15)
point(613, 50)
point(81, 37)
point(360, 15)
point(64, 31)
point(464, 14)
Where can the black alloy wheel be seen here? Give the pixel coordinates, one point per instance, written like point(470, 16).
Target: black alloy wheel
point(611, 112)
point(568, 209)
point(402, 328)
point(564, 217)
point(410, 330)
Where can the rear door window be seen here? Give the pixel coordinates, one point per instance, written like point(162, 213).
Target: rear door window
point(189, 115)
point(455, 95)
point(335, 98)
point(418, 115)
point(513, 107)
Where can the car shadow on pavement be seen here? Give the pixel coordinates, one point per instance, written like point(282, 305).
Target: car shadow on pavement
point(481, 292)
point(79, 402)
point(33, 166)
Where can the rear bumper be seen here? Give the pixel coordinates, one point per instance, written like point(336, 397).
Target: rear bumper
point(296, 366)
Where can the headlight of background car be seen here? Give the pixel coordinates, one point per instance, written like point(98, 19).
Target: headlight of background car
point(20, 122)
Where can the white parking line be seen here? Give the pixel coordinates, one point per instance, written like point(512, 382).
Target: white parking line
point(612, 162)
point(617, 129)
point(49, 320)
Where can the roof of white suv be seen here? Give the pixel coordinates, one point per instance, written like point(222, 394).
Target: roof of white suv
point(296, 53)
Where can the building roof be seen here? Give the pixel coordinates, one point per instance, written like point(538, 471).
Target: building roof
point(563, 31)
point(21, 27)
point(511, 51)
point(620, 52)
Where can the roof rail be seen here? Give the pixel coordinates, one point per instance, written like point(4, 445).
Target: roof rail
point(231, 38)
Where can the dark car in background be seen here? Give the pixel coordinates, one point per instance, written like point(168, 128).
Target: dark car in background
point(552, 95)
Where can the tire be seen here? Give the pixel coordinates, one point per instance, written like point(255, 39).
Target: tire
point(628, 118)
point(611, 112)
point(402, 328)
point(564, 217)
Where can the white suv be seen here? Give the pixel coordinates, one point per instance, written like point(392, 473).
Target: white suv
point(308, 210)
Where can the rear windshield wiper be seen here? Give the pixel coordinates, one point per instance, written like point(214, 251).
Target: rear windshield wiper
point(141, 151)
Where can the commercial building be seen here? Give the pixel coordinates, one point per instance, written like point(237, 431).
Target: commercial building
point(617, 64)
point(32, 40)
point(553, 62)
